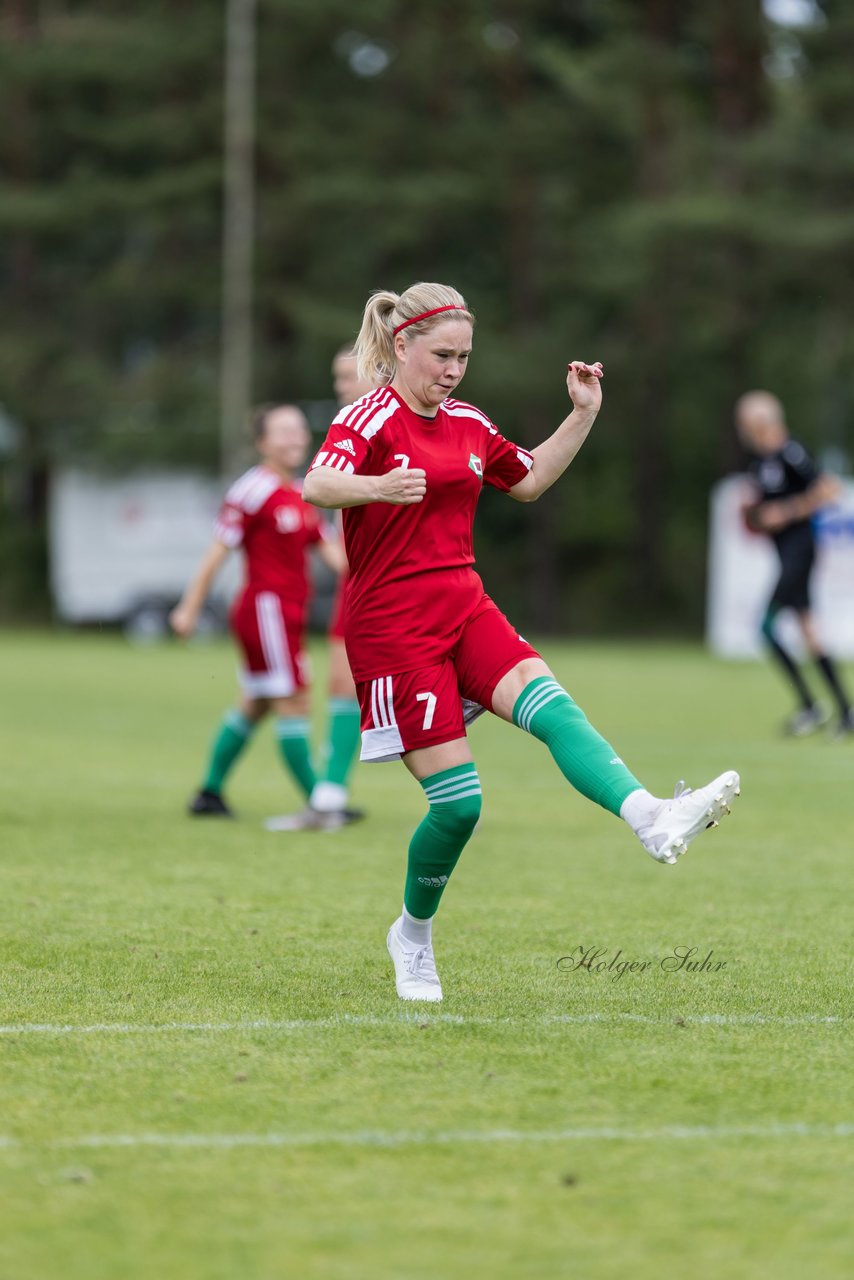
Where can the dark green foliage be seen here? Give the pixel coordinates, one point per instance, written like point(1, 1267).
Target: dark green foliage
point(635, 182)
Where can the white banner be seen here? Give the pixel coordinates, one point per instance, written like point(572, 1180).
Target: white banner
point(743, 568)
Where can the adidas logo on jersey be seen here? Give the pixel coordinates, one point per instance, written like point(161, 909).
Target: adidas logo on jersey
point(346, 446)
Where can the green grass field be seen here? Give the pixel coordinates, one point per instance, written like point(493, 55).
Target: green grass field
point(206, 1073)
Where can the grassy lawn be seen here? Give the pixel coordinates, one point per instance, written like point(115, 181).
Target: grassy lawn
point(205, 1072)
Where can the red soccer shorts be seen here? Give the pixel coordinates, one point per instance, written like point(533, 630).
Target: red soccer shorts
point(274, 662)
point(423, 708)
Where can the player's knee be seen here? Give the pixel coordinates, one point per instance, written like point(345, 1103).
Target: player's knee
point(459, 818)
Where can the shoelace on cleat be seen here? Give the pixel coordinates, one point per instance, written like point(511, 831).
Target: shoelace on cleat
point(420, 964)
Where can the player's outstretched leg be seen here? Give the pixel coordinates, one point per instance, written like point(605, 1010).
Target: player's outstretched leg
point(230, 740)
point(664, 827)
point(455, 800)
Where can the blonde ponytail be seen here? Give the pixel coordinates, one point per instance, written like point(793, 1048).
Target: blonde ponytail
point(385, 311)
point(374, 347)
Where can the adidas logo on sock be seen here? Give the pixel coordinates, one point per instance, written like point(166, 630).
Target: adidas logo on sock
point(346, 446)
point(434, 882)
point(616, 760)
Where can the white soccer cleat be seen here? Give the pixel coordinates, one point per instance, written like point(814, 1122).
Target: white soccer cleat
point(676, 822)
point(415, 973)
point(307, 819)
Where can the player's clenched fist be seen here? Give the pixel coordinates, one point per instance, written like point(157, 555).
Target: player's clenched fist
point(403, 486)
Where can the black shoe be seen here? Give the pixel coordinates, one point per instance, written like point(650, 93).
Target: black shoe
point(352, 815)
point(337, 818)
point(209, 804)
point(844, 728)
point(806, 721)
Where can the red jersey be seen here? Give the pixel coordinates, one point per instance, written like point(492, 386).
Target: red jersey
point(275, 527)
point(412, 583)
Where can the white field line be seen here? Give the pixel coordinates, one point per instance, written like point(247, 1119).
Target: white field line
point(448, 1137)
point(339, 1021)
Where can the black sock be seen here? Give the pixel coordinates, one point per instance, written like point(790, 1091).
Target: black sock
point(828, 669)
point(790, 667)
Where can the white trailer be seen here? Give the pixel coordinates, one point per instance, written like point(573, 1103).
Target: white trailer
point(123, 548)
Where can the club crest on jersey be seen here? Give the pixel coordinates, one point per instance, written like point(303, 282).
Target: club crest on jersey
point(476, 465)
point(288, 519)
point(346, 446)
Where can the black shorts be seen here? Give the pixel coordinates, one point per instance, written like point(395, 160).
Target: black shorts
point(797, 556)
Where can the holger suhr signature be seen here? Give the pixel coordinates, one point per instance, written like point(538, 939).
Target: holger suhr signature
point(601, 960)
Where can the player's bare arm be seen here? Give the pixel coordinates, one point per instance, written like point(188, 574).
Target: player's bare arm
point(553, 456)
point(185, 615)
point(327, 488)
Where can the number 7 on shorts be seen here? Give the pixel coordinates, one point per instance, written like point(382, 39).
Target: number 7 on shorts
point(430, 699)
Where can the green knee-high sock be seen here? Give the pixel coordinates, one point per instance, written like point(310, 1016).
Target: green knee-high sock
point(292, 735)
point(343, 740)
point(231, 737)
point(583, 756)
point(455, 798)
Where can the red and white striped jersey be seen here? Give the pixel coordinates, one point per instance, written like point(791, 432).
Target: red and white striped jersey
point(412, 581)
point(275, 528)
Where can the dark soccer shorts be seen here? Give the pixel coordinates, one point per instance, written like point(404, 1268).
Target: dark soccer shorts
point(404, 712)
point(797, 556)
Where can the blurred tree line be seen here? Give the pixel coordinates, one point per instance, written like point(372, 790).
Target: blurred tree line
point(660, 184)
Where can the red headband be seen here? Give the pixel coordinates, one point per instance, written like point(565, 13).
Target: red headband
point(453, 306)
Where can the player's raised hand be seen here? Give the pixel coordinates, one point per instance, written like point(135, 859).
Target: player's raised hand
point(403, 486)
point(582, 383)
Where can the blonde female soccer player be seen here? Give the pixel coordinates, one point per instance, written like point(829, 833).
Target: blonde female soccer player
point(407, 463)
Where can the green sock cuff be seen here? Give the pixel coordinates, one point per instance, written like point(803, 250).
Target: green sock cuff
point(440, 838)
point(452, 784)
point(238, 723)
point(767, 625)
point(343, 707)
point(534, 697)
point(291, 727)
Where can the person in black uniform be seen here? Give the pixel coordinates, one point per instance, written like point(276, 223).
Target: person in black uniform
point(790, 489)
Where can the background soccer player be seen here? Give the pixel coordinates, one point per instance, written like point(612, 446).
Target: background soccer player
point(343, 709)
point(789, 491)
point(329, 802)
point(407, 462)
point(265, 515)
